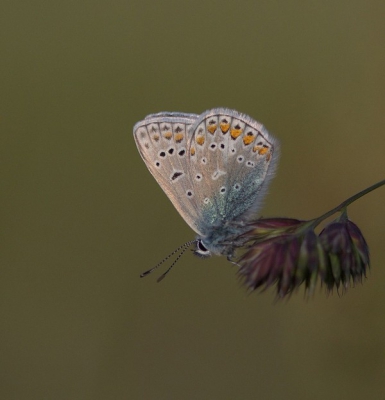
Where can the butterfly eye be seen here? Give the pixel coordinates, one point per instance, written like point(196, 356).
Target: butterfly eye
point(201, 249)
point(201, 246)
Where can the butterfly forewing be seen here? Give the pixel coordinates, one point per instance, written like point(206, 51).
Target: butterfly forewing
point(163, 142)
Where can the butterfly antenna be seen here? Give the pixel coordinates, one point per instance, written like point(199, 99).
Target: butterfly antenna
point(184, 247)
point(175, 261)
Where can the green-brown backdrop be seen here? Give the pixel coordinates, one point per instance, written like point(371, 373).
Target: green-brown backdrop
point(81, 216)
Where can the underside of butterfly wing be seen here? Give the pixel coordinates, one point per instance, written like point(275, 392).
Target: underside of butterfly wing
point(232, 159)
point(163, 141)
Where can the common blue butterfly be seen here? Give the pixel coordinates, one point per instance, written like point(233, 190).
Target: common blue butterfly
point(215, 169)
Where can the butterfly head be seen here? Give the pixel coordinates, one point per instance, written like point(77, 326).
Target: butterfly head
point(219, 242)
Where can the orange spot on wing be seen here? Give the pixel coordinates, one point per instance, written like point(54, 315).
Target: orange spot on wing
point(167, 135)
point(192, 151)
point(224, 127)
point(179, 137)
point(212, 128)
point(248, 139)
point(200, 140)
point(156, 137)
point(235, 133)
point(263, 150)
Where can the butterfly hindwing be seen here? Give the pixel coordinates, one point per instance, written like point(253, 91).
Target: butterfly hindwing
point(232, 155)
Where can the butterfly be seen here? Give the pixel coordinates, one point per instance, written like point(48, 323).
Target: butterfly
point(214, 167)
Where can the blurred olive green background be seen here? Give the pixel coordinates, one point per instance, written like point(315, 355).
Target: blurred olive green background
point(81, 216)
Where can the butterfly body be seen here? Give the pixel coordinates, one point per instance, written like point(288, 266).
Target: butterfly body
point(214, 167)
